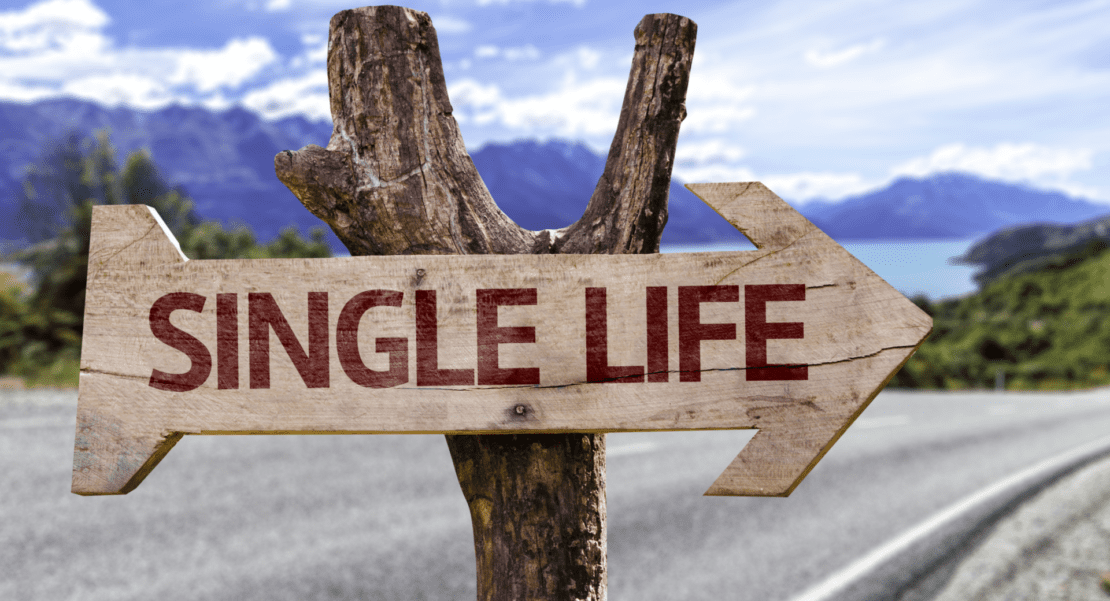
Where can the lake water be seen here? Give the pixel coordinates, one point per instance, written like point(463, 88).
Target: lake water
point(912, 266)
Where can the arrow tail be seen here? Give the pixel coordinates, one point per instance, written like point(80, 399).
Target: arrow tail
point(108, 459)
point(773, 463)
point(111, 455)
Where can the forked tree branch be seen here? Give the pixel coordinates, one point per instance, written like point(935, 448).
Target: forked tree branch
point(396, 179)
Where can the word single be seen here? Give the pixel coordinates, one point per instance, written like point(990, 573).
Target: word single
point(313, 364)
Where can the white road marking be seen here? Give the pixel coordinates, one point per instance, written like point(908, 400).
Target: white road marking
point(847, 575)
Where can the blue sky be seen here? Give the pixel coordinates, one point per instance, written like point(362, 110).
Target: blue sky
point(816, 98)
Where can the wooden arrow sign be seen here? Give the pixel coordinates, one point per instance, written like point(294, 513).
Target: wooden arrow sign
point(794, 338)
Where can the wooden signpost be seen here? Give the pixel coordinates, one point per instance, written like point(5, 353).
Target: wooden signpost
point(523, 347)
point(794, 339)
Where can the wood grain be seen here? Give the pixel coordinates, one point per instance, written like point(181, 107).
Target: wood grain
point(396, 179)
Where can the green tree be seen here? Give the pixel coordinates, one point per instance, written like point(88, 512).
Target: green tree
point(40, 328)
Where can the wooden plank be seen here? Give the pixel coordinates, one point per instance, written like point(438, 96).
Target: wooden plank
point(175, 347)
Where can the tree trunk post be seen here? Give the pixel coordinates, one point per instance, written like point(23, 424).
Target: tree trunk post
point(395, 178)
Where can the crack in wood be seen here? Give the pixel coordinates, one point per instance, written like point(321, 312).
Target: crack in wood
point(86, 370)
point(769, 253)
point(106, 260)
point(670, 371)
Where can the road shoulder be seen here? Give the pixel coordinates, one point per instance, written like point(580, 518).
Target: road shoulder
point(1054, 546)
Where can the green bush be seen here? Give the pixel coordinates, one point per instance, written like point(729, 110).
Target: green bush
point(1044, 329)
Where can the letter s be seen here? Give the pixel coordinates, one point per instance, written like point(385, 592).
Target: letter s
point(165, 331)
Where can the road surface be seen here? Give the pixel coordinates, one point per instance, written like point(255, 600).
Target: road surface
point(381, 517)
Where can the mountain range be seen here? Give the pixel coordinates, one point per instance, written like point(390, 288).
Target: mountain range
point(945, 205)
point(224, 160)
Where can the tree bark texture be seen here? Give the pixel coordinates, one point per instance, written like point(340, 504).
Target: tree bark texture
point(395, 178)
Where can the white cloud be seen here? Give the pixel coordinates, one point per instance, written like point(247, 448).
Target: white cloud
point(489, 2)
point(587, 57)
point(715, 104)
point(708, 151)
point(1027, 163)
point(710, 160)
point(716, 116)
point(826, 59)
point(526, 52)
point(25, 93)
point(574, 109)
point(278, 5)
point(1014, 162)
point(315, 52)
point(231, 65)
point(808, 186)
point(1092, 193)
point(1041, 166)
point(305, 95)
point(473, 94)
point(120, 88)
point(217, 102)
point(449, 24)
point(486, 51)
point(720, 160)
point(713, 173)
point(49, 25)
point(59, 47)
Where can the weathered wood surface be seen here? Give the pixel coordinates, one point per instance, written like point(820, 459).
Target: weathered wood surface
point(857, 331)
point(393, 121)
point(523, 491)
point(396, 179)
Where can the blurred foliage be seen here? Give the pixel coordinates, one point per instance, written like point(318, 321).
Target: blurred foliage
point(40, 322)
point(1042, 329)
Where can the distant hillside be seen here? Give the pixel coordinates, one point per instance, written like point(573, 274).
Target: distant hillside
point(947, 205)
point(225, 160)
point(540, 185)
point(1031, 247)
point(1042, 329)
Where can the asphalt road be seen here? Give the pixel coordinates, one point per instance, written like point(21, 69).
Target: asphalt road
point(381, 517)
